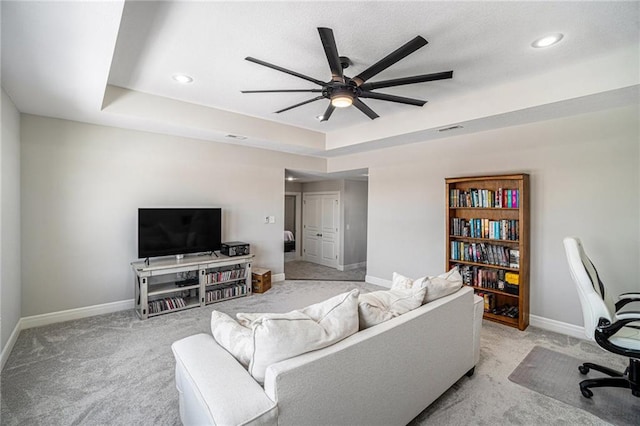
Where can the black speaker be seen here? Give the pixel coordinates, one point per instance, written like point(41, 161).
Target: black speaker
point(235, 248)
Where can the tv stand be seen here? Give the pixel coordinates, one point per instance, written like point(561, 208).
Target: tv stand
point(167, 285)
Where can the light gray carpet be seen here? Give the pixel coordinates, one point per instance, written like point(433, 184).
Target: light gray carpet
point(115, 369)
point(556, 375)
point(301, 270)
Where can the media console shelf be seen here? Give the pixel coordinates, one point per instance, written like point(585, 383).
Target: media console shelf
point(169, 284)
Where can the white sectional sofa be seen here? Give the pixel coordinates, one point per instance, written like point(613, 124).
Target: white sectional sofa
point(383, 375)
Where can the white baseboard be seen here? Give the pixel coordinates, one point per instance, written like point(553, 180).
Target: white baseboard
point(557, 326)
point(10, 343)
point(277, 277)
point(351, 266)
point(378, 281)
point(72, 314)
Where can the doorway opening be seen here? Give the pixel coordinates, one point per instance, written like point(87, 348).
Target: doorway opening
point(329, 214)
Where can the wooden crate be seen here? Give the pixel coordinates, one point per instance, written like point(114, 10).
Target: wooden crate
point(260, 280)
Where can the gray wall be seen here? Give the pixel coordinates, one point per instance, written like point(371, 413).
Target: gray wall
point(10, 289)
point(585, 181)
point(292, 187)
point(355, 221)
point(323, 186)
point(290, 213)
point(81, 188)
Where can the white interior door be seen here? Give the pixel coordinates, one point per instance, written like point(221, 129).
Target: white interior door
point(321, 222)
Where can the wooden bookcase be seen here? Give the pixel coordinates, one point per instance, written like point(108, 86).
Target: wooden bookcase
point(484, 232)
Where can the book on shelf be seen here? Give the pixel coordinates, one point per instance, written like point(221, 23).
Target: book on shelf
point(514, 259)
point(502, 229)
point(489, 301)
point(512, 278)
point(480, 253)
point(484, 198)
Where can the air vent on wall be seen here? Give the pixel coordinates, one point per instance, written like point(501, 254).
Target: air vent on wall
point(446, 129)
point(238, 137)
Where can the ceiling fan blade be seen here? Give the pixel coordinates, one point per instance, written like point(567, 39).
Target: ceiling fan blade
point(328, 112)
point(384, 63)
point(365, 109)
point(284, 70)
point(407, 80)
point(282, 91)
point(331, 50)
point(392, 98)
point(300, 104)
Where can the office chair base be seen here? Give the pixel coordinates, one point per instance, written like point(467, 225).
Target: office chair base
point(584, 369)
point(630, 379)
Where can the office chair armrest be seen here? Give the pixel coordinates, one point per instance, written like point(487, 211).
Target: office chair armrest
point(626, 298)
point(607, 329)
point(628, 315)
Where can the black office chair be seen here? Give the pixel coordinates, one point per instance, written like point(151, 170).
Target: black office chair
point(618, 333)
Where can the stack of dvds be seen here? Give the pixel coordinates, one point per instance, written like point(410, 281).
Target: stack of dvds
point(226, 292)
point(167, 304)
point(220, 276)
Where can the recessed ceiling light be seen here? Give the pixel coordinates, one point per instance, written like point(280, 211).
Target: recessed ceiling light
point(547, 40)
point(319, 117)
point(182, 78)
point(291, 178)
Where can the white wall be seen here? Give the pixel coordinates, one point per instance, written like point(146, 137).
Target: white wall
point(585, 181)
point(81, 188)
point(10, 290)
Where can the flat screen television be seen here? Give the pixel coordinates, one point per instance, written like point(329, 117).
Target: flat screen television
point(178, 231)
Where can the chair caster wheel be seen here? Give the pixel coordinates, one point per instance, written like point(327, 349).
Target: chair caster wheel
point(583, 369)
point(586, 392)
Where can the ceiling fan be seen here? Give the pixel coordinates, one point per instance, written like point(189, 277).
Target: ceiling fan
point(345, 91)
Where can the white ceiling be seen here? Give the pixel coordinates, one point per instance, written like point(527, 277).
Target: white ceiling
point(112, 62)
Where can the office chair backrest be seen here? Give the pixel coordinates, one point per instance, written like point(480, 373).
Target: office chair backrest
point(591, 291)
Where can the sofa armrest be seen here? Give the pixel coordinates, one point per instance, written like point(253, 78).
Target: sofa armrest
point(478, 311)
point(214, 389)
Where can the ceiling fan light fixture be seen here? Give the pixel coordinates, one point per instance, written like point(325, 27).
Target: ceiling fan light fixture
point(342, 97)
point(342, 101)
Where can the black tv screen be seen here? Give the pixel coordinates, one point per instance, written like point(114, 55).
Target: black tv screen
point(175, 231)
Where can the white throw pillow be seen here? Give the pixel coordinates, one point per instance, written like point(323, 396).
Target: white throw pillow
point(379, 306)
point(235, 338)
point(442, 285)
point(277, 337)
point(402, 282)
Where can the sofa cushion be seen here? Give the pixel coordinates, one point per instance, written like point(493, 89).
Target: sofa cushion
point(401, 282)
point(442, 285)
point(379, 306)
point(235, 338)
point(276, 337)
point(437, 287)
